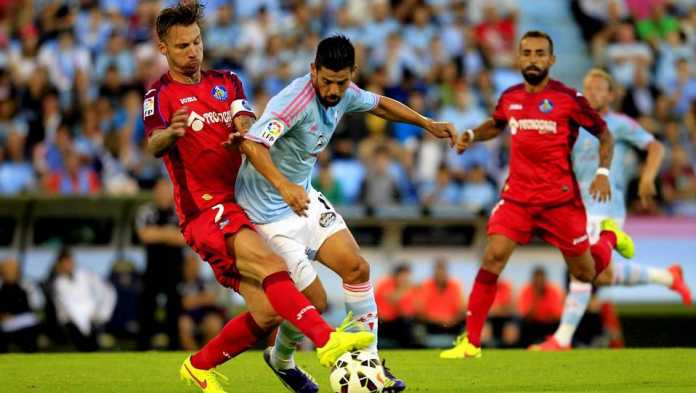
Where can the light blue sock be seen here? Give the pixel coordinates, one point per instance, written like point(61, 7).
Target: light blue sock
point(629, 274)
point(574, 308)
point(360, 299)
point(286, 342)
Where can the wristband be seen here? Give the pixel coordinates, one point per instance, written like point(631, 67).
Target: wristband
point(603, 171)
point(471, 134)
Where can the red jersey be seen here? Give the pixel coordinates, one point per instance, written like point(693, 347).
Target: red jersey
point(544, 127)
point(203, 172)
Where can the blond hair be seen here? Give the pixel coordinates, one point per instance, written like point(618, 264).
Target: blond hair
point(600, 73)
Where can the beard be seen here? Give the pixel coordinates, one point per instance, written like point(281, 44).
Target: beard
point(327, 103)
point(534, 79)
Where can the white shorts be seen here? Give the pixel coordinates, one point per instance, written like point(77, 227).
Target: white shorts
point(297, 239)
point(594, 226)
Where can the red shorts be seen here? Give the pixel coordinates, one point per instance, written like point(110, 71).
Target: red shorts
point(207, 236)
point(563, 226)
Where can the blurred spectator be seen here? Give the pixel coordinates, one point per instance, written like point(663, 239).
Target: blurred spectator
point(396, 296)
point(64, 60)
point(325, 183)
point(126, 280)
point(23, 60)
point(380, 187)
point(502, 328)
point(682, 90)
point(639, 99)
point(443, 191)
point(157, 227)
point(496, 35)
point(84, 302)
point(478, 195)
point(73, 177)
point(679, 180)
point(626, 54)
point(19, 324)
point(381, 27)
point(201, 317)
point(653, 23)
point(540, 305)
point(16, 172)
point(440, 302)
point(116, 56)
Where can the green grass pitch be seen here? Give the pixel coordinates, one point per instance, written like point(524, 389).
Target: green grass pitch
point(645, 370)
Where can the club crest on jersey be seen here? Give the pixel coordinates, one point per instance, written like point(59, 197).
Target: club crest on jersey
point(326, 219)
point(546, 106)
point(219, 93)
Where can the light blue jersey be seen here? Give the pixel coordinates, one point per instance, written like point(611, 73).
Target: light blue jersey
point(295, 126)
point(626, 132)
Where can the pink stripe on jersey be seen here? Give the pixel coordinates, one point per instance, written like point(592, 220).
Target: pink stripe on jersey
point(296, 100)
point(354, 86)
point(302, 105)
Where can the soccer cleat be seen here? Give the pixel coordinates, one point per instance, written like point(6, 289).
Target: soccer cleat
point(624, 243)
point(392, 384)
point(679, 285)
point(549, 345)
point(342, 341)
point(206, 380)
point(462, 349)
point(295, 379)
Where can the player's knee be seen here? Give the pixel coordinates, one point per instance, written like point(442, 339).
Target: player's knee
point(583, 274)
point(494, 260)
point(357, 271)
point(606, 278)
point(267, 320)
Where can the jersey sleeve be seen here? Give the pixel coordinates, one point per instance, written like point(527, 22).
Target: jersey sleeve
point(586, 117)
point(156, 111)
point(359, 100)
point(499, 116)
point(277, 119)
point(239, 106)
point(632, 133)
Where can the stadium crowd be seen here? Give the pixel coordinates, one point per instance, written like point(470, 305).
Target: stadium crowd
point(73, 74)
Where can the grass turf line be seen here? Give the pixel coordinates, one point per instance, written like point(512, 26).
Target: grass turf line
point(633, 370)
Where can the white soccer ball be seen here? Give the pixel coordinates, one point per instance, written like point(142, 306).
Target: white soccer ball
point(357, 372)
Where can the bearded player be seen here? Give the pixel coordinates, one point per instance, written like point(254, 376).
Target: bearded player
point(274, 188)
point(188, 114)
point(598, 88)
point(541, 194)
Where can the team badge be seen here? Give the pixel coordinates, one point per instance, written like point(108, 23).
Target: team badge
point(219, 93)
point(546, 106)
point(272, 131)
point(326, 219)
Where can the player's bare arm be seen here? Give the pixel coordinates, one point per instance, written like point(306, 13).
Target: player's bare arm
point(242, 124)
point(489, 129)
point(393, 110)
point(646, 186)
point(259, 156)
point(161, 140)
point(600, 189)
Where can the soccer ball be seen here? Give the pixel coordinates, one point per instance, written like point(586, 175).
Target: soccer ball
point(357, 372)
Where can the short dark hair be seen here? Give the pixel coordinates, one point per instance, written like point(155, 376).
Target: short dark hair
point(335, 53)
point(538, 34)
point(181, 14)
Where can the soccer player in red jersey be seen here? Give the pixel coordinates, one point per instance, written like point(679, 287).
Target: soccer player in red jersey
point(540, 194)
point(188, 115)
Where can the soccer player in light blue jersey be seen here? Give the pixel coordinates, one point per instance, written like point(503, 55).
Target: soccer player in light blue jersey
point(627, 134)
point(298, 222)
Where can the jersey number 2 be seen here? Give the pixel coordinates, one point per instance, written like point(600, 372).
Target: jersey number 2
point(220, 209)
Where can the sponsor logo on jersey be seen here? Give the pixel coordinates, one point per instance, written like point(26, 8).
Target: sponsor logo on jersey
point(326, 219)
point(206, 197)
point(539, 125)
point(515, 107)
point(187, 100)
point(272, 131)
point(546, 106)
point(197, 121)
point(580, 239)
point(219, 93)
point(149, 107)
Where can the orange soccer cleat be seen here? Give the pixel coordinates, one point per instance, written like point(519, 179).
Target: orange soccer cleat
point(679, 285)
point(549, 345)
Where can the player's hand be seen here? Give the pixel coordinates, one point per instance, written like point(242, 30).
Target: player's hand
point(177, 126)
point(646, 192)
point(296, 197)
point(600, 189)
point(442, 129)
point(233, 140)
point(463, 143)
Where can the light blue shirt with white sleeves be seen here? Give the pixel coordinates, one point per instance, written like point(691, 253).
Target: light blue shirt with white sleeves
point(627, 133)
point(295, 126)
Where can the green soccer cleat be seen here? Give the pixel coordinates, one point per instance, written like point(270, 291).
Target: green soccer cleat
point(463, 349)
point(624, 243)
point(342, 341)
point(205, 380)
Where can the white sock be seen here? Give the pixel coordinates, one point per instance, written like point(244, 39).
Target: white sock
point(360, 299)
point(574, 308)
point(629, 274)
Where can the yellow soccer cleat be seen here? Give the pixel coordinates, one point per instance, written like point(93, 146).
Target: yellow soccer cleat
point(206, 380)
point(342, 341)
point(462, 349)
point(624, 243)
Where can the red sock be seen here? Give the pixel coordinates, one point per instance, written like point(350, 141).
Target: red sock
point(237, 336)
point(480, 301)
point(294, 307)
point(601, 251)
